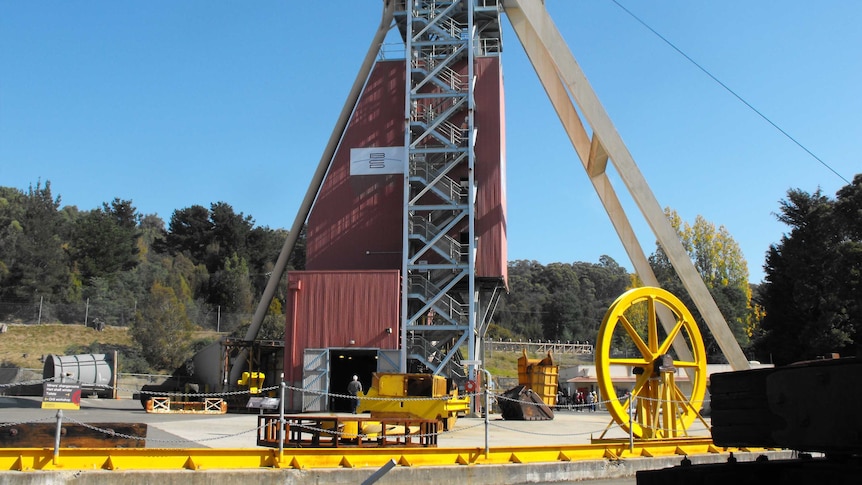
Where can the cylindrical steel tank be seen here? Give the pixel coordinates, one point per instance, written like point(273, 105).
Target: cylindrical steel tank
point(93, 371)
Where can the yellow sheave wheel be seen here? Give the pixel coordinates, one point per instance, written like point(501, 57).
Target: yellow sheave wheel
point(663, 409)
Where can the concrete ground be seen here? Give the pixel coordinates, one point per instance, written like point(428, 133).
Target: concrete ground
point(240, 431)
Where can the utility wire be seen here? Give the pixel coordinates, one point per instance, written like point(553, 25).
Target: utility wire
point(800, 145)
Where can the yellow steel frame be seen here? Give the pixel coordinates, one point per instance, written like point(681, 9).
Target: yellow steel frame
point(43, 459)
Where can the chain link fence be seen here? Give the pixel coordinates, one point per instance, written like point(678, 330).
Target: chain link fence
point(93, 314)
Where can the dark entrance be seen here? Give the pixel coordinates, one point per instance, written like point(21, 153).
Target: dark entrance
point(343, 365)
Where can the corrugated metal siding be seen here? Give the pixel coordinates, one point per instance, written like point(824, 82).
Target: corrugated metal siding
point(491, 259)
point(331, 308)
point(356, 221)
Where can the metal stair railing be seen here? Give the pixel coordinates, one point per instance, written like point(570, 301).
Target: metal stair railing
point(444, 28)
point(446, 188)
point(445, 306)
point(443, 244)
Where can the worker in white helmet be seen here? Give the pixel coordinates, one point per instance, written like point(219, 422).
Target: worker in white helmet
point(354, 388)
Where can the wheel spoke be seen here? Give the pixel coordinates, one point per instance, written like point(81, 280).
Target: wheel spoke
point(634, 361)
point(639, 383)
point(652, 329)
point(670, 337)
point(633, 333)
point(685, 363)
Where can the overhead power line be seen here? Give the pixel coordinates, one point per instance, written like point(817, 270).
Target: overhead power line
point(731, 91)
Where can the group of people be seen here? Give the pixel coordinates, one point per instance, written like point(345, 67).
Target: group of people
point(586, 401)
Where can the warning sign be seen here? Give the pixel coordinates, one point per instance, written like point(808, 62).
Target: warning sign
point(56, 395)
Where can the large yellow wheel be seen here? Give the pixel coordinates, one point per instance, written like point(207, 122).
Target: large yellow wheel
point(631, 343)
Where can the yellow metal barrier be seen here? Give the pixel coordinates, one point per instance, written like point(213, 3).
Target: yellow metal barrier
point(42, 459)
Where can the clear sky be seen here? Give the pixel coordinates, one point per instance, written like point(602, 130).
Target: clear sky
point(176, 103)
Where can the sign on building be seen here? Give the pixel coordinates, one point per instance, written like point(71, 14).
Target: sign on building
point(377, 161)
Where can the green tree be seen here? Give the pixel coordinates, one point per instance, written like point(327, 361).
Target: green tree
point(230, 233)
point(11, 231)
point(520, 311)
point(162, 328)
point(600, 285)
point(272, 327)
point(812, 295)
point(559, 301)
point(231, 287)
point(105, 241)
point(719, 262)
point(189, 233)
point(35, 264)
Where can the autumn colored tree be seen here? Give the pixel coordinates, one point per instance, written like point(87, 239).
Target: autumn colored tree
point(719, 261)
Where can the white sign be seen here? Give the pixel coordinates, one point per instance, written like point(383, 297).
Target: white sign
point(377, 161)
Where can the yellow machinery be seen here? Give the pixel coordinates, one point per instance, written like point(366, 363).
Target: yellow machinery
point(423, 396)
point(252, 380)
point(540, 375)
point(662, 407)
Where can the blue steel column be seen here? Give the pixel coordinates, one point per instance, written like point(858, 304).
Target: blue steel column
point(471, 195)
point(405, 240)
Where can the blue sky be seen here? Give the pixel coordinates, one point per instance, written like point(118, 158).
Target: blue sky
point(175, 103)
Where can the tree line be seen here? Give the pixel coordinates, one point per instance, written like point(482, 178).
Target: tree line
point(163, 281)
point(809, 305)
point(133, 271)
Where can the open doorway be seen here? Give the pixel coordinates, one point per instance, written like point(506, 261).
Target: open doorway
point(343, 365)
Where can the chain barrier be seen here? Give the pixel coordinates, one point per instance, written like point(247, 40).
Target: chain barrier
point(492, 396)
point(40, 420)
point(24, 383)
point(199, 395)
point(113, 433)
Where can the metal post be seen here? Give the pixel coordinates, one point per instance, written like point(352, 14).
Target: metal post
point(379, 473)
point(40, 309)
point(57, 436)
point(116, 372)
point(281, 421)
point(631, 422)
point(86, 312)
point(487, 410)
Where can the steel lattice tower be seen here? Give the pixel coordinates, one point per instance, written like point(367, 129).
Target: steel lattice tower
point(440, 297)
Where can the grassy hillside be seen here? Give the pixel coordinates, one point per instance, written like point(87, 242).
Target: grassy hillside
point(505, 364)
point(23, 345)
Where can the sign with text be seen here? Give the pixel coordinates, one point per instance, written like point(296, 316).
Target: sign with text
point(56, 395)
point(377, 161)
point(262, 403)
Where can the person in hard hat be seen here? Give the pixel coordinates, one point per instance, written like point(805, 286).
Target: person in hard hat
point(354, 388)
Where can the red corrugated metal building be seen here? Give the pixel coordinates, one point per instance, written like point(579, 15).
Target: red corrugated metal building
point(349, 297)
